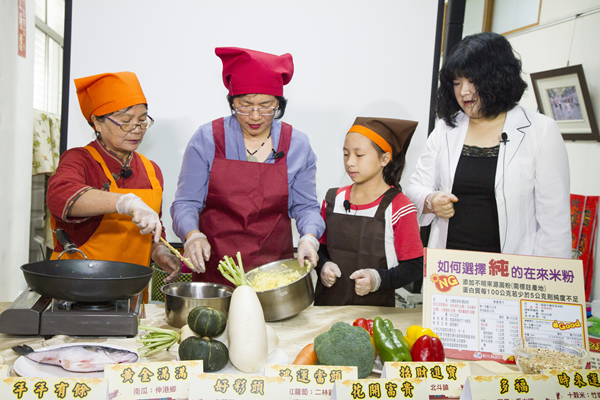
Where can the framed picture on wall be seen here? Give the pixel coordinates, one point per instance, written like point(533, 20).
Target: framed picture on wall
point(562, 94)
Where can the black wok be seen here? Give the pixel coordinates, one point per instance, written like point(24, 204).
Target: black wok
point(87, 281)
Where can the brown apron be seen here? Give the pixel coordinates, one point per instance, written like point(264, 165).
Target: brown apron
point(355, 242)
point(246, 209)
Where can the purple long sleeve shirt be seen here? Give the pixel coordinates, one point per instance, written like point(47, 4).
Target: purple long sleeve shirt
point(192, 187)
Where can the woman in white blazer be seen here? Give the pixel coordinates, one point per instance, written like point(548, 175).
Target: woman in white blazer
point(494, 176)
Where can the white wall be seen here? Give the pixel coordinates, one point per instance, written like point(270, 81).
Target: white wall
point(16, 144)
point(548, 48)
point(352, 58)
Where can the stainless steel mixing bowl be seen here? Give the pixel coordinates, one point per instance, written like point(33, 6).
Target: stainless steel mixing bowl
point(289, 300)
point(183, 297)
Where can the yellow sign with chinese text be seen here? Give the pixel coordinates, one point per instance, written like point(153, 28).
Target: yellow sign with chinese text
point(380, 389)
point(53, 389)
point(151, 380)
point(509, 387)
point(444, 379)
point(308, 382)
point(222, 386)
point(577, 384)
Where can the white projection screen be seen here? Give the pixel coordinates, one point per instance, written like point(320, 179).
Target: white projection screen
point(352, 58)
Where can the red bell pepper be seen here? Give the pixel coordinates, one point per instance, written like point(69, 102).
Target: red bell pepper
point(367, 324)
point(428, 348)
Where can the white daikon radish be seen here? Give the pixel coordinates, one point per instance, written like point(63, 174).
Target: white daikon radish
point(185, 333)
point(246, 328)
point(272, 339)
point(247, 331)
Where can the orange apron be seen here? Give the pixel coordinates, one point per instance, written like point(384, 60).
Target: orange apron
point(117, 237)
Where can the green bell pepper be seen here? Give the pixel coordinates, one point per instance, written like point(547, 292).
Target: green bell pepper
point(390, 342)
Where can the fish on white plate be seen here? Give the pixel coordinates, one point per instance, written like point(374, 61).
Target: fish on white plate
point(78, 358)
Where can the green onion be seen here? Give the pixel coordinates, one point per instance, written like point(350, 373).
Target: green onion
point(233, 273)
point(158, 339)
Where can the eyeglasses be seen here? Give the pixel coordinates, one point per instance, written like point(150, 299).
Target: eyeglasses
point(128, 127)
point(264, 111)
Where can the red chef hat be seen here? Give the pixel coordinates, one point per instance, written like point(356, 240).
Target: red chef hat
point(105, 93)
point(248, 71)
point(392, 135)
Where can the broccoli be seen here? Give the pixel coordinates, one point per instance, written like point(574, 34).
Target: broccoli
point(348, 345)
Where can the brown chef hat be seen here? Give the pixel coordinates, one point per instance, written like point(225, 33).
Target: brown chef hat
point(105, 93)
point(392, 135)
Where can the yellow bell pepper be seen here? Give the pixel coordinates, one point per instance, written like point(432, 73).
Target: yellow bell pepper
point(416, 331)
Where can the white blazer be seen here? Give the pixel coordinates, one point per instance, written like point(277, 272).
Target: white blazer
point(532, 183)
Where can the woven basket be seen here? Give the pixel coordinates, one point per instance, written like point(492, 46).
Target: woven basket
point(158, 281)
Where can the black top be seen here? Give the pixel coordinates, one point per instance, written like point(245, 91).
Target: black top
point(474, 225)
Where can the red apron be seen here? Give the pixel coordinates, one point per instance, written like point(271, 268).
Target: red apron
point(246, 209)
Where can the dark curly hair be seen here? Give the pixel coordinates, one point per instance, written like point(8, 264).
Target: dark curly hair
point(488, 61)
point(282, 103)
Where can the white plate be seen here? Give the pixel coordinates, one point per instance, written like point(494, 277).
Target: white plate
point(276, 357)
point(377, 365)
point(30, 369)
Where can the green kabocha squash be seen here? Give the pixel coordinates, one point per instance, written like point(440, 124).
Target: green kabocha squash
point(213, 353)
point(207, 321)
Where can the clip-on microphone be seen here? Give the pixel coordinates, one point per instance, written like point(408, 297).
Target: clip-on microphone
point(126, 172)
point(347, 205)
point(504, 138)
point(278, 154)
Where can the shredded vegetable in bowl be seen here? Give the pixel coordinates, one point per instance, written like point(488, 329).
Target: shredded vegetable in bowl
point(272, 279)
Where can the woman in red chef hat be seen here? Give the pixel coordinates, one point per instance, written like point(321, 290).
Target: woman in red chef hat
point(106, 196)
point(244, 177)
point(372, 245)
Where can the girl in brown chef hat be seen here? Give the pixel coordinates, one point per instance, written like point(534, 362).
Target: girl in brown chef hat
point(371, 245)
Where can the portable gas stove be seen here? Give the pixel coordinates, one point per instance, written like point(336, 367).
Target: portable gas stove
point(34, 314)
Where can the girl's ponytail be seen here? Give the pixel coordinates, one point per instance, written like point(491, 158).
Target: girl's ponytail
point(392, 172)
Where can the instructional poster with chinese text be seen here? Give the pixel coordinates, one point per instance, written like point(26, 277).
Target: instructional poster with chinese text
point(480, 303)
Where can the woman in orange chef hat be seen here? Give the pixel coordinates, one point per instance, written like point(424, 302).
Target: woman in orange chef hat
point(106, 196)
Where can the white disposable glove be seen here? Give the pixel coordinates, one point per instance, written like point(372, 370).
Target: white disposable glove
point(308, 245)
point(329, 273)
point(142, 215)
point(442, 204)
point(366, 281)
point(197, 250)
point(167, 261)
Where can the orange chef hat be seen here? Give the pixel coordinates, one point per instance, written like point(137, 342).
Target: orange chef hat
point(248, 71)
point(105, 93)
point(392, 135)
